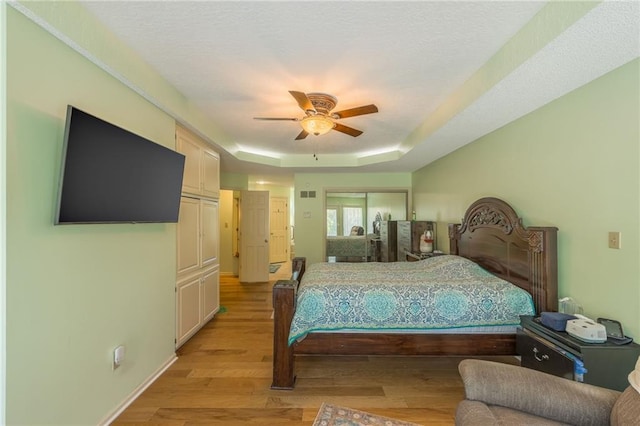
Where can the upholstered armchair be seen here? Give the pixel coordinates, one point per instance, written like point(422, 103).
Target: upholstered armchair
point(357, 230)
point(502, 394)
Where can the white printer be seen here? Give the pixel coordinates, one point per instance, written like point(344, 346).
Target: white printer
point(587, 330)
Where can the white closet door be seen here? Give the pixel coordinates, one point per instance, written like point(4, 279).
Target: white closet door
point(209, 231)
point(210, 293)
point(210, 174)
point(188, 309)
point(192, 164)
point(189, 235)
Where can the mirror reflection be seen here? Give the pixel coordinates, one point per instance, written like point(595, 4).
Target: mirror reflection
point(353, 221)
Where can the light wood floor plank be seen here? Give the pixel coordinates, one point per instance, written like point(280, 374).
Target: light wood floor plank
point(223, 376)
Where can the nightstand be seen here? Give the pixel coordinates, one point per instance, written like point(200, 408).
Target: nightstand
point(555, 352)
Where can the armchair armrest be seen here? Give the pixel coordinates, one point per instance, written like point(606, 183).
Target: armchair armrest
point(536, 393)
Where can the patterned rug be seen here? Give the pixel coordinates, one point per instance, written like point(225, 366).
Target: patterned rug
point(333, 415)
point(273, 268)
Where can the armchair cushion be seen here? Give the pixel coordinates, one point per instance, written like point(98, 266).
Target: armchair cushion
point(535, 393)
point(476, 413)
point(626, 410)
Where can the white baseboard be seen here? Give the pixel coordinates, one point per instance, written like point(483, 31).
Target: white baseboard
point(137, 391)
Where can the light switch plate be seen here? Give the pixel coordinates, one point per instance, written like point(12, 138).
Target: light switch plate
point(614, 240)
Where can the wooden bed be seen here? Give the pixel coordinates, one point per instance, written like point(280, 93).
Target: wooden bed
point(491, 235)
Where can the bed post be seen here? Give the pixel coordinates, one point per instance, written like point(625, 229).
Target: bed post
point(543, 267)
point(284, 302)
point(453, 238)
point(284, 293)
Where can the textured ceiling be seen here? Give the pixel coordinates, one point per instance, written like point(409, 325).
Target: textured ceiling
point(426, 65)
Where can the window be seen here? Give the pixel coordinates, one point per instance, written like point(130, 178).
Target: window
point(347, 209)
point(332, 221)
point(351, 216)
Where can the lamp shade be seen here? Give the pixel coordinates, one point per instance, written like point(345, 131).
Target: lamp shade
point(317, 124)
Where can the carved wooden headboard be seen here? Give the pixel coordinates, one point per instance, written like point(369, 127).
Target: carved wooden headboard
point(493, 236)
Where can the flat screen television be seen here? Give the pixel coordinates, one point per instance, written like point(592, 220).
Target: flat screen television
point(110, 175)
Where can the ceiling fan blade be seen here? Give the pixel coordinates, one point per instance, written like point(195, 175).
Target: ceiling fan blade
point(275, 119)
point(303, 134)
point(352, 112)
point(303, 101)
point(347, 130)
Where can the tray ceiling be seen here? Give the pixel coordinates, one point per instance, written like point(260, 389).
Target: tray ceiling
point(441, 73)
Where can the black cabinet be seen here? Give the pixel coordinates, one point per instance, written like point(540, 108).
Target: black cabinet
point(388, 241)
point(606, 364)
point(409, 234)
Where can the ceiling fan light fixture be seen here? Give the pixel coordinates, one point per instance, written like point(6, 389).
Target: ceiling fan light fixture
point(317, 124)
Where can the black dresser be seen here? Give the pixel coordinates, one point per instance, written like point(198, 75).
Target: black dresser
point(604, 364)
point(409, 234)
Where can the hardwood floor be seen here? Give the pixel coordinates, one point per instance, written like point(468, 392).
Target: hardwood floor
point(222, 376)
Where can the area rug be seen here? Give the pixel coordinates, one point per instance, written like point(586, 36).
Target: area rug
point(334, 415)
point(273, 268)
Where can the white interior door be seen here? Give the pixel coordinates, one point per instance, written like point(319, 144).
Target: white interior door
point(254, 236)
point(279, 230)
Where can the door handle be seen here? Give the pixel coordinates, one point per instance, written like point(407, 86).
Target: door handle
point(266, 241)
point(544, 357)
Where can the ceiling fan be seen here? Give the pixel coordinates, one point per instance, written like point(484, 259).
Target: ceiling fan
point(319, 118)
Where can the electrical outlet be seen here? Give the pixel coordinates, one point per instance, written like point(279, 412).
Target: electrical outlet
point(118, 356)
point(614, 240)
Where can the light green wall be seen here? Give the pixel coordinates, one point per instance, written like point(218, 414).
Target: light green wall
point(3, 205)
point(573, 164)
point(309, 212)
point(274, 190)
point(389, 205)
point(234, 181)
point(75, 292)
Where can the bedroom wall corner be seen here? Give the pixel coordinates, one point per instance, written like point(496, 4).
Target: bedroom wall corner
point(574, 164)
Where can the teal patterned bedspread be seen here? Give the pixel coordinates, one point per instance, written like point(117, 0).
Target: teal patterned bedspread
point(438, 292)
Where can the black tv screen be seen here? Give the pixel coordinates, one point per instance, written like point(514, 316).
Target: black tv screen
point(110, 175)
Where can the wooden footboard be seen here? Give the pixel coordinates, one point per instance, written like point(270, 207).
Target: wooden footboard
point(284, 304)
point(406, 344)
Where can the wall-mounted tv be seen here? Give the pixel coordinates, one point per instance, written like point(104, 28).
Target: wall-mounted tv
point(110, 175)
